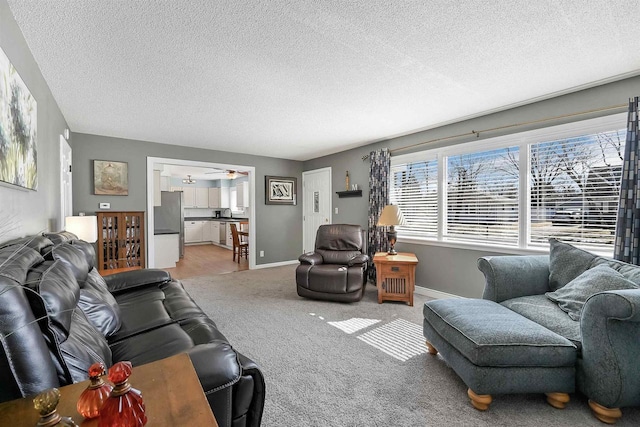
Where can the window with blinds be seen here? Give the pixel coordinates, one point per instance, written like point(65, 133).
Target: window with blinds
point(482, 196)
point(415, 190)
point(575, 187)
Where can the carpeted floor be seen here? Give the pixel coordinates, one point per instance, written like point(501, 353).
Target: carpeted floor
point(332, 364)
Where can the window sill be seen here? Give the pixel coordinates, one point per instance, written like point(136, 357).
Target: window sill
point(477, 246)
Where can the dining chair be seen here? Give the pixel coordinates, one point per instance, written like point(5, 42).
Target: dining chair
point(244, 226)
point(239, 248)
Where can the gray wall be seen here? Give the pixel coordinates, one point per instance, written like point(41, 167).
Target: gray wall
point(447, 269)
point(29, 212)
point(278, 228)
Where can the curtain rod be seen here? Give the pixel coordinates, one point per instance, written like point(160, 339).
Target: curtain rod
point(478, 132)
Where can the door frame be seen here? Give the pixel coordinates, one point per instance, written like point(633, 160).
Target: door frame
point(63, 194)
point(150, 240)
point(330, 198)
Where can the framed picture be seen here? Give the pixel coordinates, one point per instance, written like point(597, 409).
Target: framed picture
point(280, 190)
point(18, 126)
point(110, 178)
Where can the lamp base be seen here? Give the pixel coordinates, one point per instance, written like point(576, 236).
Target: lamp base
point(392, 235)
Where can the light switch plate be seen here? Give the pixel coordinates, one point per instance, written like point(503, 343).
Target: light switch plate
point(105, 205)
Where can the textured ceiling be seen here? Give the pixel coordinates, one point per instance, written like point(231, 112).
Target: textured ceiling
point(301, 79)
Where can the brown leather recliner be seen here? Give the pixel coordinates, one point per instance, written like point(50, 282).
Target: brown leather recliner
point(336, 270)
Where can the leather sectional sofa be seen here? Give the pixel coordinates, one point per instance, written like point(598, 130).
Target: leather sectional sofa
point(58, 316)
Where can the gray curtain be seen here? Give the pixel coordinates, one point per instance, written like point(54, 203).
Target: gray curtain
point(627, 243)
point(378, 199)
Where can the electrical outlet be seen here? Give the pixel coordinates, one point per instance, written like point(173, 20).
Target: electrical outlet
point(335, 211)
point(261, 254)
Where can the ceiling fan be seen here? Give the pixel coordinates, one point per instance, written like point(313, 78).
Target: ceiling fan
point(231, 174)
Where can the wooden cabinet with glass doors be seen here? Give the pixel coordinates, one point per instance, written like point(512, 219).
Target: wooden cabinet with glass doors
point(120, 241)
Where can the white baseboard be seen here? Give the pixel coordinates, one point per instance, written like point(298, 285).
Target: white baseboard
point(432, 293)
point(276, 264)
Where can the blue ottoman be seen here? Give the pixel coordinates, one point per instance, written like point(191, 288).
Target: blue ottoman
point(497, 351)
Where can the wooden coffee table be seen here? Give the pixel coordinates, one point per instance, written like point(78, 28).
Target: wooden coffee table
point(170, 388)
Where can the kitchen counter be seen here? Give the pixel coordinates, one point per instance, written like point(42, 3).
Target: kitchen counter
point(208, 218)
point(162, 231)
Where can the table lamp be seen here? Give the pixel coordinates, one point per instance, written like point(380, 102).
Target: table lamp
point(391, 216)
point(85, 227)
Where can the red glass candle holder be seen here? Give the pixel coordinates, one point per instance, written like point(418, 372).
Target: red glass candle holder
point(92, 399)
point(124, 407)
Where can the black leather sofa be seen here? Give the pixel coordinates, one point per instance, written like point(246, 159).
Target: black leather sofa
point(58, 316)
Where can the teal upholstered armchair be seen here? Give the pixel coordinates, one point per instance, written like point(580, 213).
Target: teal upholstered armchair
point(607, 332)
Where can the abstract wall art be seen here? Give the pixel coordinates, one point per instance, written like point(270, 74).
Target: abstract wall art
point(18, 129)
point(110, 178)
point(280, 190)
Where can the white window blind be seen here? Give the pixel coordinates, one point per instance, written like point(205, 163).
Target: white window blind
point(482, 196)
point(414, 189)
point(575, 188)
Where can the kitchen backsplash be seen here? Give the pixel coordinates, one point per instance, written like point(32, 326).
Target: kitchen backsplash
point(199, 212)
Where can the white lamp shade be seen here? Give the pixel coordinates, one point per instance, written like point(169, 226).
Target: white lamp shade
point(391, 215)
point(85, 227)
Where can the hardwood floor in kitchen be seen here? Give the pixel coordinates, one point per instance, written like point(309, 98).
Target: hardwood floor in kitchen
point(206, 260)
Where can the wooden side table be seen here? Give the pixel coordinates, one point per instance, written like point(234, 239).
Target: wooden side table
point(170, 388)
point(396, 276)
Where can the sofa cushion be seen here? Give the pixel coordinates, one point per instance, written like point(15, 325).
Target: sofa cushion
point(566, 262)
point(546, 313)
point(97, 303)
point(572, 296)
point(74, 258)
point(88, 251)
point(39, 243)
point(77, 343)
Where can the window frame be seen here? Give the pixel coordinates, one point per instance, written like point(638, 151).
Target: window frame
point(522, 140)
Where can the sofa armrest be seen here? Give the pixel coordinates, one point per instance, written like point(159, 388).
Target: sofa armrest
point(312, 258)
point(608, 372)
point(359, 259)
point(133, 279)
point(509, 277)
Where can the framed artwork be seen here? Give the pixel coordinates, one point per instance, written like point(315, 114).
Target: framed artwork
point(280, 190)
point(18, 128)
point(110, 178)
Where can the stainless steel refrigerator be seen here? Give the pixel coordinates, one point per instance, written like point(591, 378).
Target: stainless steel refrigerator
point(170, 215)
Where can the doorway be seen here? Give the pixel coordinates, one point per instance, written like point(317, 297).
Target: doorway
point(66, 201)
point(248, 188)
point(316, 204)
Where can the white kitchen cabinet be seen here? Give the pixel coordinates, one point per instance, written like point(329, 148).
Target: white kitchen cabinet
point(202, 197)
point(242, 194)
point(219, 197)
point(193, 231)
point(174, 188)
point(189, 197)
point(215, 231)
point(214, 197)
point(157, 198)
point(206, 231)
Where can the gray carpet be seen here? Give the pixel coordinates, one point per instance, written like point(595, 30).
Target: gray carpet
point(324, 369)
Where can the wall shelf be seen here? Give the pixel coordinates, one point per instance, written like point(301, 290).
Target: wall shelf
point(350, 193)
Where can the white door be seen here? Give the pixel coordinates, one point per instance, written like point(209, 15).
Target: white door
point(66, 191)
point(316, 204)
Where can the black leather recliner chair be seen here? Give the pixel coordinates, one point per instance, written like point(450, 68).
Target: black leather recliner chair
point(336, 270)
